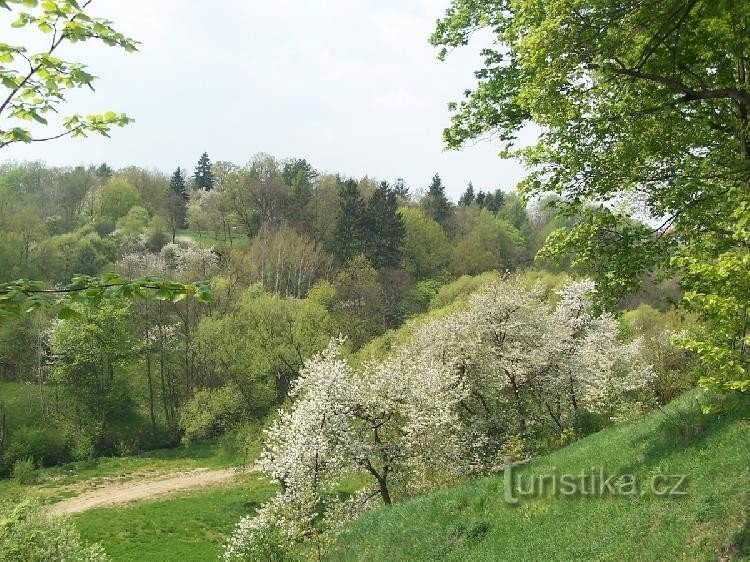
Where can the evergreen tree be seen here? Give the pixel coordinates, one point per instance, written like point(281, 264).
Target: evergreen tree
point(177, 202)
point(468, 196)
point(435, 204)
point(481, 199)
point(298, 175)
point(400, 188)
point(104, 172)
point(204, 178)
point(177, 184)
point(495, 201)
point(384, 228)
point(350, 225)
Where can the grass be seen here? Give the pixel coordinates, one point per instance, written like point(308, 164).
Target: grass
point(204, 454)
point(190, 526)
point(473, 522)
point(208, 238)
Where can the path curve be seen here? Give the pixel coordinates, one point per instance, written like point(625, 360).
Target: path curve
point(115, 494)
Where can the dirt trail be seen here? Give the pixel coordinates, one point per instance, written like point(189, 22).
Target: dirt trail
point(119, 493)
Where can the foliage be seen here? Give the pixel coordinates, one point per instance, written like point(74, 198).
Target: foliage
point(211, 412)
point(24, 471)
point(444, 405)
point(643, 113)
point(203, 177)
point(435, 203)
point(27, 533)
point(427, 250)
point(37, 83)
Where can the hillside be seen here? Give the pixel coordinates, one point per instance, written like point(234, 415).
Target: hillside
point(473, 522)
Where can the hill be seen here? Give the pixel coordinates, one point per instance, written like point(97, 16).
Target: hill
point(710, 521)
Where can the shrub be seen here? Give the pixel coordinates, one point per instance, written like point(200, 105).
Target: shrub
point(28, 534)
point(211, 412)
point(24, 471)
point(47, 446)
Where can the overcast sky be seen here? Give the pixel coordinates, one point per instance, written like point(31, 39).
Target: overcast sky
point(351, 85)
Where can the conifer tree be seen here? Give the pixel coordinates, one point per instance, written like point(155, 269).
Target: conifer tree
point(435, 204)
point(204, 178)
point(468, 196)
point(350, 226)
point(481, 199)
point(400, 188)
point(495, 201)
point(177, 202)
point(384, 230)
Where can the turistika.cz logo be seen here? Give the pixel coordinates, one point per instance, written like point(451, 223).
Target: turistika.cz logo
point(592, 482)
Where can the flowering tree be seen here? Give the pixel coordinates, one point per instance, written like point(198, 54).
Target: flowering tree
point(512, 364)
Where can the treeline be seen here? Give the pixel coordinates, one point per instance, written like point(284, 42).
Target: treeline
point(294, 257)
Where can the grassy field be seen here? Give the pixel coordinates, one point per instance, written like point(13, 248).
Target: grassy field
point(182, 528)
point(208, 238)
point(473, 522)
point(50, 481)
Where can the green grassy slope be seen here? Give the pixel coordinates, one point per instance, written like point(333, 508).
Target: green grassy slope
point(472, 522)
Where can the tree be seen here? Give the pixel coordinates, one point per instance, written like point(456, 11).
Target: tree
point(203, 177)
point(298, 175)
point(177, 201)
point(447, 403)
point(37, 82)
point(115, 199)
point(467, 198)
point(427, 250)
point(91, 351)
point(400, 188)
point(384, 228)
point(350, 225)
point(495, 201)
point(36, 85)
point(359, 305)
point(492, 244)
point(435, 203)
point(104, 172)
point(644, 101)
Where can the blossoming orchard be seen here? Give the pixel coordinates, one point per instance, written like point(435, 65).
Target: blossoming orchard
point(464, 396)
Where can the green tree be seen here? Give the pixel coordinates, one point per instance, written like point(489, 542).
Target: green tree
point(177, 201)
point(116, 198)
point(298, 175)
point(360, 304)
point(203, 177)
point(384, 228)
point(91, 351)
point(36, 84)
point(435, 203)
point(350, 225)
point(260, 344)
point(427, 250)
point(492, 244)
point(646, 100)
point(467, 197)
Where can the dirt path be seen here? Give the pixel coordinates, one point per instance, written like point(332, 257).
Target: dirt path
point(114, 494)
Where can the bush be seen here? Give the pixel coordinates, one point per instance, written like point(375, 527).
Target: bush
point(28, 534)
point(24, 472)
point(46, 446)
point(211, 412)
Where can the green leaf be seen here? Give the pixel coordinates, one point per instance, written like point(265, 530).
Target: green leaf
point(67, 313)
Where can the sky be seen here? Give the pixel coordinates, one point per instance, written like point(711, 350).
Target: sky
point(353, 86)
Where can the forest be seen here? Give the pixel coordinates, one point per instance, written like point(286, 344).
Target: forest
point(357, 347)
